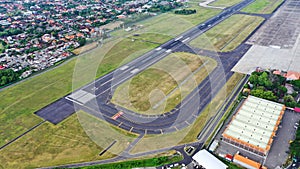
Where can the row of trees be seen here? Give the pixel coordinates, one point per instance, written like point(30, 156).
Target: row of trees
point(164, 8)
point(8, 76)
point(185, 11)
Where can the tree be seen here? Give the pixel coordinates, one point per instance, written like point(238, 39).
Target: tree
point(296, 84)
point(3, 80)
point(262, 79)
point(253, 79)
point(289, 101)
point(264, 94)
point(257, 93)
point(282, 90)
point(8, 76)
point(81, 41)
point(268, 84)
point(269, 96)
point(288, 98)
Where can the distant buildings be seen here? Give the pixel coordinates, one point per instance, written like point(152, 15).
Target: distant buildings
point(36, 34)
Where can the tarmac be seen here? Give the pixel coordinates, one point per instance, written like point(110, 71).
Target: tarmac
point(276, 44)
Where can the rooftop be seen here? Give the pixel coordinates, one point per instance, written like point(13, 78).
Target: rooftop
point(247, 161)
point(255, 122)
point(208, 161)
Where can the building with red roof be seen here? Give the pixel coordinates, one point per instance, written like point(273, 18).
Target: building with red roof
point(297, 109)
point(291, 75)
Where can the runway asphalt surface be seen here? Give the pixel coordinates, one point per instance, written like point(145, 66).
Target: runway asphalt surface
point(98, 94)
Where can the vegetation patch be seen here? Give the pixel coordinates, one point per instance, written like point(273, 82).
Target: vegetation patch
point(161, 87)
point(262, 6)
point(50, 145)
point(229, 34)
point(189, 134)
point(162, 23)
point(225, 3)
point(151, 38)
point(85, 48)
point(273, 87)
point(185, 11)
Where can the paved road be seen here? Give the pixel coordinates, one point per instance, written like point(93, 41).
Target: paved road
point(179, 148)
point(96, 96)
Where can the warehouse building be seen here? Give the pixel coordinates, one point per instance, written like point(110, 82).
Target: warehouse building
point(208, 161)
point(255, 124)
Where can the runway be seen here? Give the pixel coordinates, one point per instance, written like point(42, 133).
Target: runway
point(95, 97)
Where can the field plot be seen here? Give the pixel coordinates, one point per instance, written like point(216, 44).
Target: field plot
point(52, 145)
point(162, 86)
point(224, 3)
point(85, 48)
point(20, 101)
point(170, 24)
point(151, 38)
point(263, 6)
point(189, 134)
point(229, 34)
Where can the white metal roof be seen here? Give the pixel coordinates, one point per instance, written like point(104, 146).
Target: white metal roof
point(208, 161)
point(255, 121)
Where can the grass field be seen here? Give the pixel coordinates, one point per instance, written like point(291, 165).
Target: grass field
point(189, 134)
point(103, 133)
point(170, 24)
point(152, 37)
point(18, 105)
point(162, 86)
point(225, 3)
point(85, 48)
point(263, 6)
point(51, 145)
point(79, 138)
point(229, 34)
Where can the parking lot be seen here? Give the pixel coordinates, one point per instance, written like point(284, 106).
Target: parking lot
point(279, 150)
point(280, 147)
